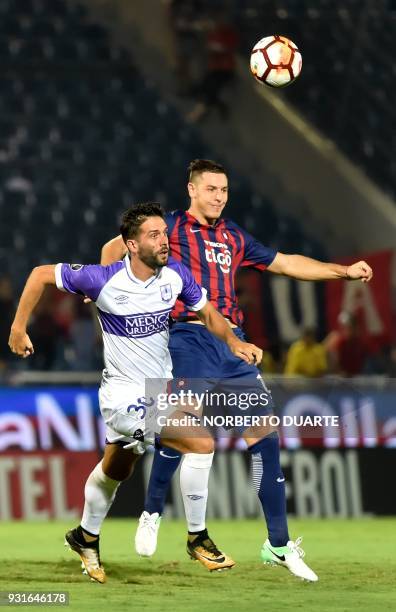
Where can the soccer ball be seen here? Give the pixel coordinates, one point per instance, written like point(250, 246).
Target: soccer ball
point(275, 61)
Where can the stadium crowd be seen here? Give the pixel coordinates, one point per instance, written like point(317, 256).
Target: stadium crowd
point(67, 337)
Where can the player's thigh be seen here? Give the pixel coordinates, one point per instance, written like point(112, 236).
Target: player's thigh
point(118, 463)
point(248, 405)
point(184, 433)
point(252, 435)
point(195, 352)
point(190, 445)
point(255, 433)
point(125, 413)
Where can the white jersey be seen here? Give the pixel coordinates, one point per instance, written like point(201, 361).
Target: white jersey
point(133, 314)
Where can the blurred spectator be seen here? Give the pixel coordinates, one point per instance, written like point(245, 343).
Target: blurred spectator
point(382, 362)
point(347, 348)
point(7, 311)
point(18, 183)
point(187, 21)
point(45, 334)
point(391, 366)
point(86, 343)
point(222, 44)
point(306, 357)
point(268, 364)
point(272, 361)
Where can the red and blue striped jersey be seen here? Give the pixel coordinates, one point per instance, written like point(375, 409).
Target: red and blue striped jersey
point(214, 254)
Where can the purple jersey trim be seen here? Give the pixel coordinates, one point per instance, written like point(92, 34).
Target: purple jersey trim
point(87, 280)
point(191, 294)
point(138, 325)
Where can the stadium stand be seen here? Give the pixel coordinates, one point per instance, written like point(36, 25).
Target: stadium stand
point(346, 93)
point(83, 135)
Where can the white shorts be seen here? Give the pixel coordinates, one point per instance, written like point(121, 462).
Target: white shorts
point(129, 416)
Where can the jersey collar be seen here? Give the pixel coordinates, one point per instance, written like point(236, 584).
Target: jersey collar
point(134, 279)
point(191, 219)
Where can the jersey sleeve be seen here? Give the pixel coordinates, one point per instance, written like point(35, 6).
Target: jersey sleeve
point(85, 280)
point(255, 254)
point(192, 294)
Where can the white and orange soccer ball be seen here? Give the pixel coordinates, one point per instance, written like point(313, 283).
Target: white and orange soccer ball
point(275, 61)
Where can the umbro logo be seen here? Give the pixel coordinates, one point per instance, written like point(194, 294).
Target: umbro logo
point(121, 299)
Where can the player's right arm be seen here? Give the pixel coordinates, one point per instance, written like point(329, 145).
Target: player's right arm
point(73, 278)
point(19, 341)
point(114, 250)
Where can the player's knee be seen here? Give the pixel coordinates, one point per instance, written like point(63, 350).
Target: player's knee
point(200, 445)
point(119, 468)
point(207, 446)
point(120, 473)
point(98, 479)
point(197, 460)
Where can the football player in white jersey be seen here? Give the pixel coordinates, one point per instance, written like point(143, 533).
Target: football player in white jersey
point(134, 298)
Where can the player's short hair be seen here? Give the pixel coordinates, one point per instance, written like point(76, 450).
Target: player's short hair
point(136, 215)
point(198, 166)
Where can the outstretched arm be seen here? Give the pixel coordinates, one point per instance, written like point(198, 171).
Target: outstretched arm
point(19, 341)
point(217, 325)
point(305, 268)
point(112, 251)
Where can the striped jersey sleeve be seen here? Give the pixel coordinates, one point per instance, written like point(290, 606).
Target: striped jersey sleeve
point(255, 254)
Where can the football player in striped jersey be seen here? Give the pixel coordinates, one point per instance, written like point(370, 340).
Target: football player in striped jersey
point(214, 248)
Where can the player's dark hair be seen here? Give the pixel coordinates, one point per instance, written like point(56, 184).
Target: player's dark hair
point(136, 215)
point(198, 166)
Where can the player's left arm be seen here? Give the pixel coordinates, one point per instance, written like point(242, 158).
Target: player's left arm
point(114, 250)
point(258, 256)
point(217, 325)
point(306, 268)
point(19, 341)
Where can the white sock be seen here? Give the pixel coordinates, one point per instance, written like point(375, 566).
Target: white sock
point(194, 476)
point(99, 492)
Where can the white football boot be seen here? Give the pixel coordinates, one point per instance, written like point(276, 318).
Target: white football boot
point(147, 534)
point(289, 556)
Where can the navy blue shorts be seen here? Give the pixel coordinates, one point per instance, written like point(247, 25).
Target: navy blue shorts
point(205, 364)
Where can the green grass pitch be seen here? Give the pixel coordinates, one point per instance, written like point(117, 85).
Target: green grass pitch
point(355, 561)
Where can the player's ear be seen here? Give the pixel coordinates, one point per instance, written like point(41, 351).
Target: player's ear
point(131, 245)
point(191, 189)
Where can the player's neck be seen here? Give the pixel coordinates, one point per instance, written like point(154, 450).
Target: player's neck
point(140, 270)
point(200, 217)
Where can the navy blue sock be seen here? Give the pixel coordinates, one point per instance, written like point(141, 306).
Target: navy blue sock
point(165, 463)
point(269, 483)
